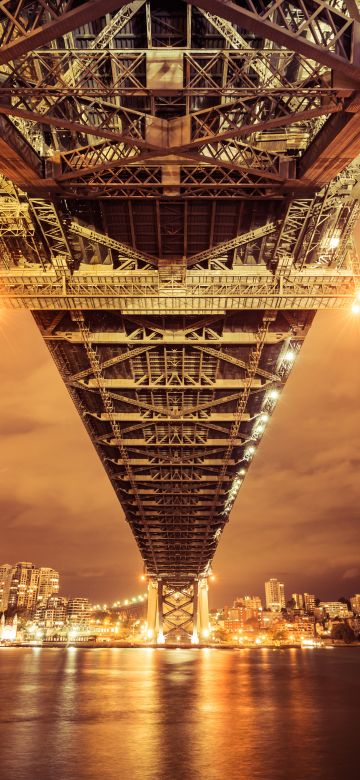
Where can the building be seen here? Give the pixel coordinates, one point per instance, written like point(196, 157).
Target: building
point(24, 586)
point(304, 627)
point(78, 611)
point(309, 603)
point(8, 631)
point(298, 600)
point(31, 584)
point(336, 609)
point(6, 573)
point(253, 603)
point(49, 583)
point(274, 595)
point(52, 613)
point(354, 601)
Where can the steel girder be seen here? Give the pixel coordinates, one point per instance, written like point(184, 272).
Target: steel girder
point(195, 435)
point(177, 204)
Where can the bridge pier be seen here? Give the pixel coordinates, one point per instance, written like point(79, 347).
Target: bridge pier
point(178, 613)
point(160, 608)
point(152, 610)
point(195, 632)
point(203, 610)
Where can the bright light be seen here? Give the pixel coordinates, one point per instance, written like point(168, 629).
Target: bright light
point(290, 356)
point(355, 308)
point(274, 394)
point(205, 633)
point(264, 417)
point(143, 578)
point(249, 452)
point(150, 633)
point(213, 578)
point(242, 472)
point(334, 242)
point(160, 638)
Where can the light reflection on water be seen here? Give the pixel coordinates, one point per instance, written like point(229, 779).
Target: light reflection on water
point(178, 715)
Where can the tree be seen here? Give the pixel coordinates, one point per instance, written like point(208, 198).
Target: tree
point(343, 632)
point(345, 601)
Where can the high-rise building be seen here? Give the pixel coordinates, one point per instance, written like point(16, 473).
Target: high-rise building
point(48, 584)
point(24, 586)
point(298, 600)
point(6, 573)
point(274, 595)
point(309, 602)
point(30, 584)
point(355, 603)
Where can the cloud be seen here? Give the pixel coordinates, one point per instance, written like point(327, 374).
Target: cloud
point(350, 574)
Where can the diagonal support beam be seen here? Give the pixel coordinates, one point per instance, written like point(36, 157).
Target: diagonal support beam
point(333, 148)
point(261, 26)
point(65, 23)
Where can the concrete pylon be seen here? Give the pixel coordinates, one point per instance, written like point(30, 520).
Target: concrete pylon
point(203, 610)
point(160, 632)
point(195, 633)
point(152, 610)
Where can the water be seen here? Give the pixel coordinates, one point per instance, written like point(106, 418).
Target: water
point(144, 714)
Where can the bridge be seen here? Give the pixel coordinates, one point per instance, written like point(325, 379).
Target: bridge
point(178, 193)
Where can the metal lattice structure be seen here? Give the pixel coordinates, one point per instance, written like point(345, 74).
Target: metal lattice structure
point(178, 191)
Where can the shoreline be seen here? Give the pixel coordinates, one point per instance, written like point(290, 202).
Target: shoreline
point(137, 646)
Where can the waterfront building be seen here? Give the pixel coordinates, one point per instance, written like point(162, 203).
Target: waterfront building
point(31, 584)
point(8, 630)
point(6, 573)
point(354, 601)
point(24, 586)
point(274, 595)
point(78, 611)
point(52, 613)
point(309, 602)
point(304, 626)
point(336, 609)
point(49, 583)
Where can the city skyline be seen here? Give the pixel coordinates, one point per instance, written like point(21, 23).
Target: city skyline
point(294, 518)
point(272, 594)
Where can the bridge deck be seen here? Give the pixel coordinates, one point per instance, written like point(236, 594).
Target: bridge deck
point(178, 191)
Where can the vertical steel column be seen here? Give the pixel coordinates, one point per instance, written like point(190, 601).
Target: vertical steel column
point(195, 634)
point(203, 607)
point(160, 605)
point(152, 611)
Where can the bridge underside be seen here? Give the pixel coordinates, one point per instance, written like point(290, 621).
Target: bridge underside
point(175, 407)
point(177, 198)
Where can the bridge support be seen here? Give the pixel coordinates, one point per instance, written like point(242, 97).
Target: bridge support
point(203, 610)
point(160, 633)
point(178, 613)
point(152, 611)
point(195, 632)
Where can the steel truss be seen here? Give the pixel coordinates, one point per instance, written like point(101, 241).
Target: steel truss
point(178, 193)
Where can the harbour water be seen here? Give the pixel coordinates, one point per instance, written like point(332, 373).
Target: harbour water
point(147, 714)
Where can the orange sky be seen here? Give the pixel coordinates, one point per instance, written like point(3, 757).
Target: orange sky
point(297, 516)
